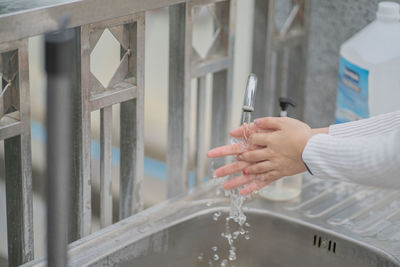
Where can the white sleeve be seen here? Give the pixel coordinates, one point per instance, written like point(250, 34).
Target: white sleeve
point(369, 160)
point(372, 126)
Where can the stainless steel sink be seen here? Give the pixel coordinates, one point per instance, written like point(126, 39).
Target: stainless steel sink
point(330, 224)
point(274, 241)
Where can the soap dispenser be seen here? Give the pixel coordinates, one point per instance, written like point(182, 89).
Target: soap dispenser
point(287, 187)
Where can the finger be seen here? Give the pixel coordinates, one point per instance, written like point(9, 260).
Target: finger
point(253, 186)
point(248, 130)
point(260, 181)
point(243, 130)
point(238, 181)
point(269, 176)
point(227, 150)
point(255, 155)
point(272, 123)
point(261, 167)
point(231, 168)
point(260, 139)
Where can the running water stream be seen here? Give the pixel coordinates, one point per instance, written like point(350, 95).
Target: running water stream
point(236, 226)
point(235, 222)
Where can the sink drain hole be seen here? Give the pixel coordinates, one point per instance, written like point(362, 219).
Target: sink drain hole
point(315, 240)
point(334, 247)
point(319, 242)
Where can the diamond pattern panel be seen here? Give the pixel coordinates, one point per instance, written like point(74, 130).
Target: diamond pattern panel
point(9, 96)
point(105, 58)
point(209, 32)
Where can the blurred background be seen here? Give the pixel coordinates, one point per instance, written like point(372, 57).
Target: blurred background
point(331, 23)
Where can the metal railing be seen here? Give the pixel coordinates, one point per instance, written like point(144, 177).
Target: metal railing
point(125, 19)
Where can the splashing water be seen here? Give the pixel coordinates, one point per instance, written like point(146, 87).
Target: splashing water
point(200, 257)
point(216, 215)
point(235, 222)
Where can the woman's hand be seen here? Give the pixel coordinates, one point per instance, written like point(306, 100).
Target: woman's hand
point(274, 150)
point(289, 138)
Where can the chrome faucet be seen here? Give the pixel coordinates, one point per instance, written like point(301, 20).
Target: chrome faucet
point(249, 99)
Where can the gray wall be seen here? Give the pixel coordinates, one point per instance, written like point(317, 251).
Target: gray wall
point(331, 23)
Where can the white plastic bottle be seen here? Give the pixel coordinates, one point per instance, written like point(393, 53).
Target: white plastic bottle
point(288, 187)
point(369, 71)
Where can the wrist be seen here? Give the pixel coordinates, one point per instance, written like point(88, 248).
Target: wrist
point(320, 131)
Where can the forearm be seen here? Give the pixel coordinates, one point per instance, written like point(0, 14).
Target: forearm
point(369, 160)
point(367, 127)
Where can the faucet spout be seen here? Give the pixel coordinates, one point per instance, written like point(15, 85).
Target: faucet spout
point(249, 99)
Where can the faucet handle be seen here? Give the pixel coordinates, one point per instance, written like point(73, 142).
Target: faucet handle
point(285, 102)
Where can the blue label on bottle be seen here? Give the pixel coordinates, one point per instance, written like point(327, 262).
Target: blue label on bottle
point(352, 92)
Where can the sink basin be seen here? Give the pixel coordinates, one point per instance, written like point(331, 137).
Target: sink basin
point(317, 229)
point(274, 241)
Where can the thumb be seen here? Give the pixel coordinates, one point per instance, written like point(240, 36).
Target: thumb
point(270, 123)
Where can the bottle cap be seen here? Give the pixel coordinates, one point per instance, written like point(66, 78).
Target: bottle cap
point(388, 11)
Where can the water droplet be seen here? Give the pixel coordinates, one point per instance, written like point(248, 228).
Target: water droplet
point(232, 257)
point(247, 237)
point(209, 203)
point(200, 257)
point(224, 263)
point(216, 257)
point(214, 248)
point(216, 215)
point(218, 191)
point(247, 224)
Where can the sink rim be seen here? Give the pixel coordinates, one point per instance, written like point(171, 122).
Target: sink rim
point(177, 210)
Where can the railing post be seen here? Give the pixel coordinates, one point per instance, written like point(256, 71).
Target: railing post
point(132, 127)
point(178, 101)
point(59, 49)
point(15, 131)
point(222, 80)
point(80, 220)
point(264, 24)
point(200, 126)
point(106, 166)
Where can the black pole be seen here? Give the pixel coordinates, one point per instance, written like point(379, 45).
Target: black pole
point(58, 53)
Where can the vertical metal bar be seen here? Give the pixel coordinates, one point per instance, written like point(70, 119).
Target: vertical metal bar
point(81, 210)
point(263, 33)
point(85, 182)
point(18, 171)
point(280, 75)
point(295, 89)
point(222, 80)
point(132, 132)
point(106, 166)
point(74, 225)
point(59, 142)
point(179, 99)
point(297, 65)
point(200, 134)
point(259, 53)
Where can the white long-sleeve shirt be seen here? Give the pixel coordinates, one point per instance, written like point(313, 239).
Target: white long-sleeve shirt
point(365, 151)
